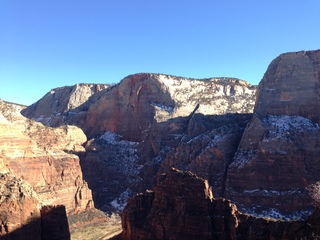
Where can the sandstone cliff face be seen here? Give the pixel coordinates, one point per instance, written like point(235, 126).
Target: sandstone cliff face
point(202, 144)
point(23, 217)
point(44, 157)
point(139, 100)
point(278, 156)
point(291, 86)
point(182, 207)
point(35, 155)
point(144, 109)
point(130, 107)
point(19, 209)
point(65, 105)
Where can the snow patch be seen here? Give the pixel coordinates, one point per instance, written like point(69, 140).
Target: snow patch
point(284, 124)
point(160, 106)
point(120, 202)
point(275, 214)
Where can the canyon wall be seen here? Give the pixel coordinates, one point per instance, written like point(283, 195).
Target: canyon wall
point(43, 158)
point(65, 105)
point(278, 155)
point(130, 107)
point(182, 206)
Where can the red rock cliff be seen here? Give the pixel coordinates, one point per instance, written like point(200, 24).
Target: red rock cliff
point(278, 156)
point(182, 207)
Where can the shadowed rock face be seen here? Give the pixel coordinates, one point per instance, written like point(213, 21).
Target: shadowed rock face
point(182, 207)
point(291, 86)
point(23, 217)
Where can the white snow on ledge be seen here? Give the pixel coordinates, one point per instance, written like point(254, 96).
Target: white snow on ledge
point(120, 202)
point(163, 107)
point(275, 214)
point(284, 123)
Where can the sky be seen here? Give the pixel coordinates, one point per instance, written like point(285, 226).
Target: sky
point(46, 44)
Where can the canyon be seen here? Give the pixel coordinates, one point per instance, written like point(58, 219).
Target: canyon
point(178, 158)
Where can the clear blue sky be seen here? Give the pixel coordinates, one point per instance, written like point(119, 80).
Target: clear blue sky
point(52, 43)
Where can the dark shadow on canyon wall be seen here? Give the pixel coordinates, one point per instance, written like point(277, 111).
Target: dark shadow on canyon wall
point(53, 225)
point(108, 173)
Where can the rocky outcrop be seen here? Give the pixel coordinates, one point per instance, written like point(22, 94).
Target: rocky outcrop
point(151, 113)
point(291, 86)
point(130, 107)
point(65, 105)
point(36, 156)
point(182, 207)
point(54, 223)
point(19, 209)
point(110, 166)
point(23, 217)
point(278, 156)
point(45, 158)
point(177, 209)
point(202, 144)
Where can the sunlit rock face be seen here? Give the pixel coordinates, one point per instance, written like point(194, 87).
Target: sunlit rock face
point(19, 209)
point(278, 155)
point(132, 106)
point(45, 158)
point(64, 105)
point(291, 86)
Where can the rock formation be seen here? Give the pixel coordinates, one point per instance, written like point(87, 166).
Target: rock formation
point(39, 155)
point(22, 216)
point(291, 86)
point(278, 156)
point(139, 100)
point(19, 209)
point(130, 107)
point(65, 105)
point(121, 159)
point(202, 144)
point(45, 158)
point(182, 207)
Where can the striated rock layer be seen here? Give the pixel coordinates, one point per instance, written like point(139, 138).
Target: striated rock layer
point(36, 156)
point(182, 207)
point(45, 158)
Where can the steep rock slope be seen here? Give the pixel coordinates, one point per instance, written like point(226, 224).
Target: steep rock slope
point(147, 115)
point(132, 106)
point(19, 207)
point(291, 86)
point(203, 144)
point(38, 155)
point(278, 156)
point(44, 157)
point(182, 207)
point(65, 105)
point(22, 215)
